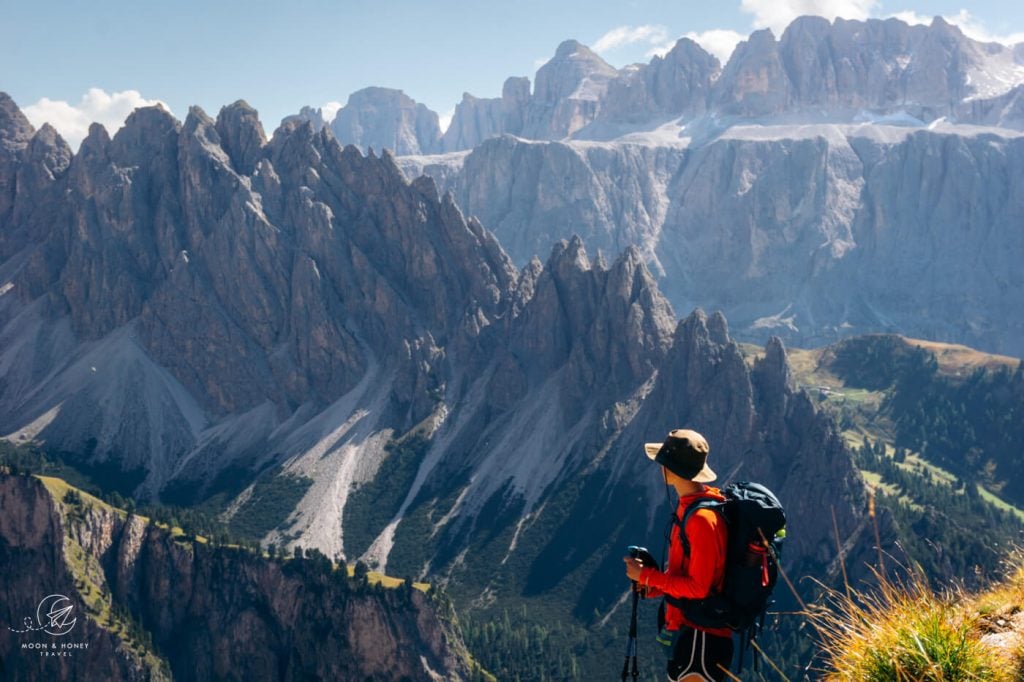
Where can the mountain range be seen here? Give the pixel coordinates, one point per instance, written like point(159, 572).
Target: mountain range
point(850, 177)
point(189, 311)
point(193, 313)
point(840, 71)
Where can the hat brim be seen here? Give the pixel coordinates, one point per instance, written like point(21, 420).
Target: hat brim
point(705, 475)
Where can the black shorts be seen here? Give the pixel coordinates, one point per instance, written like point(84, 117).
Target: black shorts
point(698, 652)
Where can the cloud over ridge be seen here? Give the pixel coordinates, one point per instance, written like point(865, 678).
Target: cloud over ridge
point(72, 121)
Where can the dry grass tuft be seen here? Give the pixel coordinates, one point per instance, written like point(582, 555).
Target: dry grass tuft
point(902, 631)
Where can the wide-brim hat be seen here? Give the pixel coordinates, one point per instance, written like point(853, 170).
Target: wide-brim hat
point(684, 453)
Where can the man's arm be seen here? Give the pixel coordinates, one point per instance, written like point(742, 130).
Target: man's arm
point(706, 558)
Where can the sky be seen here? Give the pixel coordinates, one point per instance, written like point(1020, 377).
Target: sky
point(73, 62)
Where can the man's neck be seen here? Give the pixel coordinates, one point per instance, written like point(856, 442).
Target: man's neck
point(684, 487)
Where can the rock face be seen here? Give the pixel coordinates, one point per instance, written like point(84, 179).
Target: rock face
point(534, 194)
point(677, 84)
point(211, 612)
point(567, 97)
point(873, 65)
point(567, 92)
point(387, 119)
point(811, 233)
point(476, 120)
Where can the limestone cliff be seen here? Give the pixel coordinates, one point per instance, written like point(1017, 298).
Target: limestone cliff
point(810, 233)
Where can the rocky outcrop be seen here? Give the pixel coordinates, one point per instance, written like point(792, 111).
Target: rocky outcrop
point(313, 115)
point(1003, 111)
point(677, 84)
point(476, 120)
point(567, 92)
point(381, 118)
point(242, 136)
point(209, 611)
point(15, 133)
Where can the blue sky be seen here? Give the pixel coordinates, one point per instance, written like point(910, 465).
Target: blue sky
point(71, 62)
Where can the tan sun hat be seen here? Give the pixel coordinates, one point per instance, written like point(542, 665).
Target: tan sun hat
point(684, 453)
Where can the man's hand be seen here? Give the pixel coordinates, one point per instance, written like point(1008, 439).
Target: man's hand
point(633, 568)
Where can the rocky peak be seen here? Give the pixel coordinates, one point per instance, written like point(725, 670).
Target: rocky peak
point(677, 84)
point(199, 124)
point(46, 157)
point(937, 72)
point(718, 328)
point(49, 150)
point(383, 118)
point(474, 120)
point(15, 133)
point(567, 92)
point(700, 353)
point(608, 326)
point(754, 81)
point(573, 64)
point(96, 141)
point(568, 258)
point(314, 115)
point(148, 134)
point(515, 98)
point(771, 373)
point(241, 135)
point(91, 165)
point(571, 48)
point(15, 130)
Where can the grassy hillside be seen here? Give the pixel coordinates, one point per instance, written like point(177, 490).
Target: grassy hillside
point(935, 430)
point(907, 632)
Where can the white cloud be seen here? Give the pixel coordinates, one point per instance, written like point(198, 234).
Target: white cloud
point(630, 35)
point(72, 120)
point(967, 22)
point(445, 119)
point(329, 110)
point(777, 14)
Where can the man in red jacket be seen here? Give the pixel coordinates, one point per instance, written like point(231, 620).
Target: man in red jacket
point(695, 653)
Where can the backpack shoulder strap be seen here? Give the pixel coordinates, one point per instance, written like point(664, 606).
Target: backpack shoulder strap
point(702, 503)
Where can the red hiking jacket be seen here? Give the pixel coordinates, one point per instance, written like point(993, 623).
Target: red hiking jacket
point(698, 575)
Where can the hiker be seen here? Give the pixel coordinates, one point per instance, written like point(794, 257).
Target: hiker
point(695, 653)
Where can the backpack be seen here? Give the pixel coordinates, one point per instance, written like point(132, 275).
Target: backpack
point(756, 527)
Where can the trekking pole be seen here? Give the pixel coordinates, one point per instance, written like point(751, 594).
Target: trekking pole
point(631, 646)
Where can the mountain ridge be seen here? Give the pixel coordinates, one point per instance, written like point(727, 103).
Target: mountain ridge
point(849, 67)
